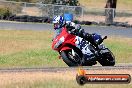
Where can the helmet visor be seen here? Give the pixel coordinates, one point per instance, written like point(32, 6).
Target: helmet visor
point(56, 26)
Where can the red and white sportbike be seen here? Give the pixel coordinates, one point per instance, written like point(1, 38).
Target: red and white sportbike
point(74, 49)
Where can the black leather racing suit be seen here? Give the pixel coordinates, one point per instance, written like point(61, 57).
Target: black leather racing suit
point(77, 30)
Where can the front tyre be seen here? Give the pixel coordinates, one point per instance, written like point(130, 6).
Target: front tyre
point(69, 59)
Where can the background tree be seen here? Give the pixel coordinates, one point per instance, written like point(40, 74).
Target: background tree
point(111, 4)
point(110, 11)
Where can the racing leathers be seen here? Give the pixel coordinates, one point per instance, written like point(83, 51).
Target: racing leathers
point(76, 29)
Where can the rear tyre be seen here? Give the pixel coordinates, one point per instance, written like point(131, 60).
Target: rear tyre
point(108, 59)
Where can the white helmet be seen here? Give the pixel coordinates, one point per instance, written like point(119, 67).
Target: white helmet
point(58, 22)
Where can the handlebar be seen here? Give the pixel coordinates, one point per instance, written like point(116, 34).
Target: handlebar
point(105, 38)
point(102, 40)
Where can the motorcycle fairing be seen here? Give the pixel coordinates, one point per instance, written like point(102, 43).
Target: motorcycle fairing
point(68, 39)
point(83, 46)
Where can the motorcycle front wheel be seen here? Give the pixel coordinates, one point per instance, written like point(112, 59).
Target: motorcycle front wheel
point(69, 59)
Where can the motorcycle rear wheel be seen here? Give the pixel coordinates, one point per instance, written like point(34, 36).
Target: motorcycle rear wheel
point(108, 59)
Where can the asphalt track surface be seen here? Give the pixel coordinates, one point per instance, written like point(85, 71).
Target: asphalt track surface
point(56, 69)
point(109, 31)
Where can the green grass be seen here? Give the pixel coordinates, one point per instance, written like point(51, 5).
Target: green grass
point(122, 49)
point(28, 48)
point(30, 58)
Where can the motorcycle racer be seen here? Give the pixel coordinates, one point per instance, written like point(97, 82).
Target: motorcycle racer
point(59, 22)
point(75, 29)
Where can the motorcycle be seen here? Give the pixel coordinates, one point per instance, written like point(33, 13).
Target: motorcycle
point(65, 44)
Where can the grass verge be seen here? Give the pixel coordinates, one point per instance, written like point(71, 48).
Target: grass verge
point(64, 84)
point(28, 48)
point(62, 79)
point(58, 79)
